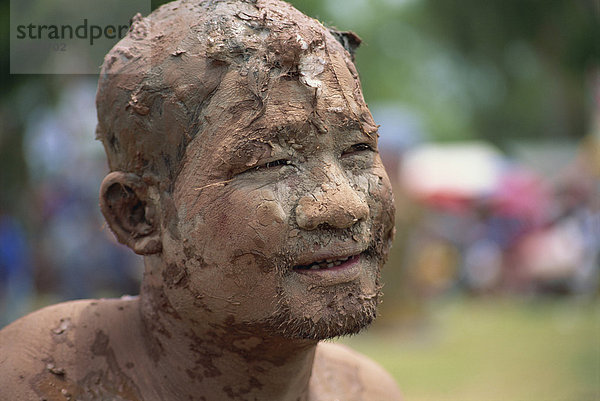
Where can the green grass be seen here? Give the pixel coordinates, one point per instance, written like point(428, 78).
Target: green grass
point(494, 350)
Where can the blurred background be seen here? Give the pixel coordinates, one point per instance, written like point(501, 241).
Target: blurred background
point(490, 131)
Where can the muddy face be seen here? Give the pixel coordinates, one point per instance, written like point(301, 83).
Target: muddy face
point(281, 218)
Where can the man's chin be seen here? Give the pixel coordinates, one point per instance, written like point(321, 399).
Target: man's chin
point(329, 321)
point(306, 329)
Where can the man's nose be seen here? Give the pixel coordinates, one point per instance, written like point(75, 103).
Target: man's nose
point(335, 203)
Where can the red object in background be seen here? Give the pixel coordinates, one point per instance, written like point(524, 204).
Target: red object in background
point(450, 202)
point(523, 195)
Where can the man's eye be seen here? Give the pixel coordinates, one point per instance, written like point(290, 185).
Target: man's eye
point(276, 163)
point(359, 147)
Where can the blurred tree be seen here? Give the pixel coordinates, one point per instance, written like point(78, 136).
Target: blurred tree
point(11, 153)
point(20, 98)
point(539, 54)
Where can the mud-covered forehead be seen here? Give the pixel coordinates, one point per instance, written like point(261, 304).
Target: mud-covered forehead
point(195, 67)
point(290, 118)
point(288, 73)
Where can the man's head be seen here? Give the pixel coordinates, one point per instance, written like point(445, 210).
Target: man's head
point(242, 153)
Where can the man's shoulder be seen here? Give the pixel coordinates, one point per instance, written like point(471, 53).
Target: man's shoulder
point(341, 370)
point(36, 331)
point(38, 351)
point(30, 346)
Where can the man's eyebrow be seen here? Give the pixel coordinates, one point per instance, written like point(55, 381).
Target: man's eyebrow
point(372, 135)
point(352, 124)
point(247, 151)
point(250, 146)
point(358, 126)
point(254, 146)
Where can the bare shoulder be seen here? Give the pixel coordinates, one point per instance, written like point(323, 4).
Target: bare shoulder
point(41, 352)
point(340, 372)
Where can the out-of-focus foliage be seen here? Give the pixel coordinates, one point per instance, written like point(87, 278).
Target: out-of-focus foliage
point(529, 62)
point(491, 69)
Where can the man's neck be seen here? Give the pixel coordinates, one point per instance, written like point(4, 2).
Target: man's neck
point(218, 359)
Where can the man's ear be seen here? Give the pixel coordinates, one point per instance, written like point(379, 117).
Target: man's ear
point(130, 213)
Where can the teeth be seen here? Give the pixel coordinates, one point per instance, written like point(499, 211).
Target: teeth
point(327, 263)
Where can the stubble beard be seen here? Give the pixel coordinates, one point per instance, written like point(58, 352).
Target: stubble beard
point(291, 325)
point(344, 309)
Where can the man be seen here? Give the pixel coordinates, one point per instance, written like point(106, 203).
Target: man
point(244, 168)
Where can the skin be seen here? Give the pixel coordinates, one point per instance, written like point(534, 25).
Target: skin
point(227, 309)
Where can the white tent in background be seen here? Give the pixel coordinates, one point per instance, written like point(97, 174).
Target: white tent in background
point(454, 171)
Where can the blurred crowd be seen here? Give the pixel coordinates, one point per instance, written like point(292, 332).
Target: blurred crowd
point(62, 249)
point(480, 220)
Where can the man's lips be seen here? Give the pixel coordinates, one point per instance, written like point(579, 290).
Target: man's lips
point(332, 259)
point(331, 264)
point(344, 269)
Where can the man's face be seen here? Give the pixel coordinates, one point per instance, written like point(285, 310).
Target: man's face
point(281, 214)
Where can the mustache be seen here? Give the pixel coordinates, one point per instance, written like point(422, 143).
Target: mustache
point(369, 240)
point(372, 239)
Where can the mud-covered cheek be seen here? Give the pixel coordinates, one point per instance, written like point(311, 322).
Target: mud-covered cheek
point(381, 198)
point(238, 238)
point(270, 214)
point(246, 222)
point(269, 223)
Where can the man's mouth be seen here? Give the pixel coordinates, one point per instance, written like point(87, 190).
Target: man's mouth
point(342, 263)
point(330, 264)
